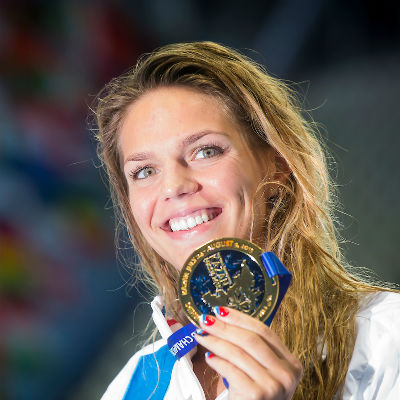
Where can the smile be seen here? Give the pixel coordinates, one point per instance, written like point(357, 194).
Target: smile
point(190, 221)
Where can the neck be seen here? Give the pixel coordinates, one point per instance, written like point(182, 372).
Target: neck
point(210, 381)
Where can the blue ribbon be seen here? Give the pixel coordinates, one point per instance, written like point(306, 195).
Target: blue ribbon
point(182, 341)
point(274, 267)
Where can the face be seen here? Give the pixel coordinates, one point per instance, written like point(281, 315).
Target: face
point(191, 175)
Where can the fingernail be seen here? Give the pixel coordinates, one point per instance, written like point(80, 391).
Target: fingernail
point(206, 319)
point(221, 311)
point(201, 332)
point(225, 382)
point(209, 355)
point(171, 322)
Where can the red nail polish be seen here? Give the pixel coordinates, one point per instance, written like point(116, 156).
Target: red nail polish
point(221, 311)
point(207, 319)
point(209, 355)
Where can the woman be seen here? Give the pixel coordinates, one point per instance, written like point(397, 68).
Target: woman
point(199, 143)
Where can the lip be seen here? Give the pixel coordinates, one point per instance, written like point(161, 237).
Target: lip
point(187, 234)
point(183, 213)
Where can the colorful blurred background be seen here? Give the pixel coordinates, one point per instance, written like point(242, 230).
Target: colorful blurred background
point(69, 319)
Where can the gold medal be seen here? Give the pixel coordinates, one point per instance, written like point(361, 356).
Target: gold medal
point(227, 272)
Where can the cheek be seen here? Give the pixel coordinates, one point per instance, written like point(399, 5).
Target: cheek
point(232, 183)
point(222, 182)
point(141, 204)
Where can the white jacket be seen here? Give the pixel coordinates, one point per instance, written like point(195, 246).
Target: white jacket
point(373, 374)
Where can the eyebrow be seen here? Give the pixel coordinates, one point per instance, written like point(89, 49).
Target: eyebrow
point(197, 136)
point(138, 157)
point(185, 142)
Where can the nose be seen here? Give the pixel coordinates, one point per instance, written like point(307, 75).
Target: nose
point(178, 181)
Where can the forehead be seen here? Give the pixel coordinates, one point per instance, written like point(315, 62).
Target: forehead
point(171, 113)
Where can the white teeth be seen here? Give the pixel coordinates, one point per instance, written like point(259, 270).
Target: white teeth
point(204, 217)
point(191, 222)
point(183, 224)
point(180, 224)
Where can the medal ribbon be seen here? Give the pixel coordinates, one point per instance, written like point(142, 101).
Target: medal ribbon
point(182, 341)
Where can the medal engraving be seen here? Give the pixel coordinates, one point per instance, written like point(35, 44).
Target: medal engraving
point(227, 272)
point(240, 294)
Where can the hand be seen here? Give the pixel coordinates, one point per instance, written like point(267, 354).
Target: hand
point(249, 355)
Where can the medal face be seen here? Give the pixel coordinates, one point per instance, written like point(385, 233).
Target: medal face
point(227, 272)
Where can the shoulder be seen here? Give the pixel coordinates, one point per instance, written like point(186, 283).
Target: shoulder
point(150, 358)
point(378, 321)
point(374, 367)
point(381, 306)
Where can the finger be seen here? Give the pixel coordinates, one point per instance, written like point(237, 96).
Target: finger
point(253, 345)
point(242, 320)
point(240, 384)
point(248, 340)
point(236, 356)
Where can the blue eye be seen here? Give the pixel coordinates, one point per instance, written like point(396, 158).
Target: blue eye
point(144, 173)
point(208, 152)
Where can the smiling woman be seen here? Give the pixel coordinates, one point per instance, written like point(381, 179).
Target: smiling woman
point(200, 143)
point(190, 174)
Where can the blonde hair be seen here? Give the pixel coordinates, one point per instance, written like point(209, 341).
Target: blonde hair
point(318, 312)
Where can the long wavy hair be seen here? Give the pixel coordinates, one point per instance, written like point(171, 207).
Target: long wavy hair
point(316, 319)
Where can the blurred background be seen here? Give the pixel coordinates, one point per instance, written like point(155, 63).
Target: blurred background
point(68, 319)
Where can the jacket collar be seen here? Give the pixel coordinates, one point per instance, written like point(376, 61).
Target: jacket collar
point(162, 325)
point(159, 319)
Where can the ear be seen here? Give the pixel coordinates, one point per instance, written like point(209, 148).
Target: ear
point(276, 169)
point(282, 168)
